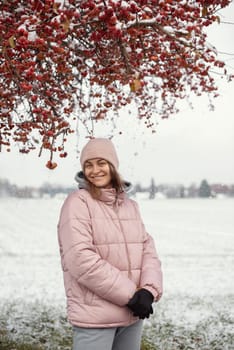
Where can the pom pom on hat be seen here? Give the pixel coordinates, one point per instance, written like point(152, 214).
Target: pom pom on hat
point(99, 148)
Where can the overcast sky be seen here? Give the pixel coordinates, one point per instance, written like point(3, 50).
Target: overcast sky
point(193, 145)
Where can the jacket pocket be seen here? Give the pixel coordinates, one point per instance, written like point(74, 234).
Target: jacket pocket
point(81, 293)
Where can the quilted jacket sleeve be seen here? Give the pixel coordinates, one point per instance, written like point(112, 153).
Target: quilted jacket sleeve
point(81, 259)
point(151, 274)
point(151, 277)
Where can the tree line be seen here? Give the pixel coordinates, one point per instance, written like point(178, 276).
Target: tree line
point(152, 191)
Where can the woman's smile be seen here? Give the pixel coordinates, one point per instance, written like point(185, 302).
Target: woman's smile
point(97, 171)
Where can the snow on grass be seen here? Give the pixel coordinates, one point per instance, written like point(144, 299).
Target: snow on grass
point(195, 241)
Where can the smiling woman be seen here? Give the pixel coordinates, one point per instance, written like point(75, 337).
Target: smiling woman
point(112, 272)
point(97, 171)
point(101, 172)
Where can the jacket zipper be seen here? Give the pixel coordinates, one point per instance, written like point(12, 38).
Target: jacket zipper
point(125, 243)
point(127, 251)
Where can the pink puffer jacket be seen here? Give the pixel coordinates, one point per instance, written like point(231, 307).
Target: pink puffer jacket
point(106, 255)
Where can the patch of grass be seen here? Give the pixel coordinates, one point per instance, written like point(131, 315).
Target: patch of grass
point(208, 334)
point(190, 324)
point(147, 345)
point(33, 327)
point(8, 344)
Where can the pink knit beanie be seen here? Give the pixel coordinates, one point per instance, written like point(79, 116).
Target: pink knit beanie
point(99, 148)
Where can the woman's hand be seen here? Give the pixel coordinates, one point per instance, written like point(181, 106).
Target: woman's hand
point(141, 303)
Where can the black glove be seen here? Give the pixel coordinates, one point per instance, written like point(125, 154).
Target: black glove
point(141, 303)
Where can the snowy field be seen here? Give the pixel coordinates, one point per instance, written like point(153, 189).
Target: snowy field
point(195, 241)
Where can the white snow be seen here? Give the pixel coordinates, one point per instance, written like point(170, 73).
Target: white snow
point(194, 238)
point(32, 35)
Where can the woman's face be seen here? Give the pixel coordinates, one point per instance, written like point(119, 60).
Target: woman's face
point(97, 171)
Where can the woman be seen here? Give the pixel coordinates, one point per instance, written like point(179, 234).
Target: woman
point(112, 273)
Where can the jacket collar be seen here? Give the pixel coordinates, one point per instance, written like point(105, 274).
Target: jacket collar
point(110, 197)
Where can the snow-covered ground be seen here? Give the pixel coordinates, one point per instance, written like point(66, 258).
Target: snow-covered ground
point(194, 238)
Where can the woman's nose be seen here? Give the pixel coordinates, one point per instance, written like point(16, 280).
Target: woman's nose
point(95, 168)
